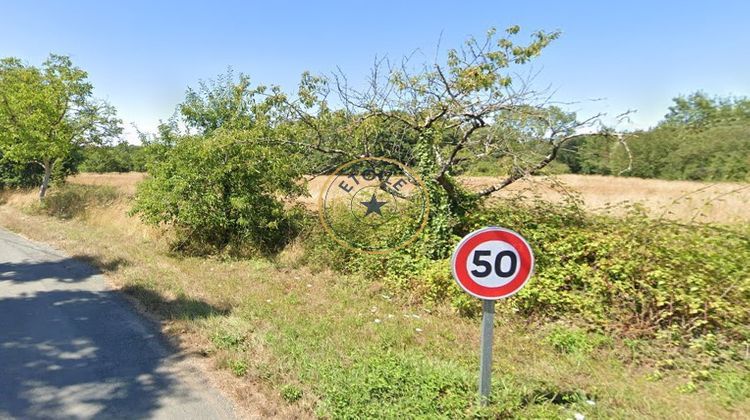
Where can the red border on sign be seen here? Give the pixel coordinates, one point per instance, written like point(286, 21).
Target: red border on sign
point(474, 239)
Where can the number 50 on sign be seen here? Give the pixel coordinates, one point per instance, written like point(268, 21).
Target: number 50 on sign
point(492, 263)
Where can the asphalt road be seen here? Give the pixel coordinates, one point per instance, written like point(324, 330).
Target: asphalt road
point(72, 348)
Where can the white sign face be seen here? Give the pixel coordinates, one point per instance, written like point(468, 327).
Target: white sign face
point(493, 264)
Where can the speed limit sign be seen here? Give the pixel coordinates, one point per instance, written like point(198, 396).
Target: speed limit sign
point(492, 263)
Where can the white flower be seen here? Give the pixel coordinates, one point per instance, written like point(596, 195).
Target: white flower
point(309, 285)
point(377, 321)
point(590, 402)
point(579, 416)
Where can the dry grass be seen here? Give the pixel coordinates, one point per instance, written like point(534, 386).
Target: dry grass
point(676, 200)
point(126, 181)
point(722, 202)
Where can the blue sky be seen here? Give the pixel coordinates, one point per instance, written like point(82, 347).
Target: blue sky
point(141, 55)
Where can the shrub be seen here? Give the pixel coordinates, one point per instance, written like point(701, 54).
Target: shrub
point(635, 276)
point(223, 191)
point(29, 175)
point(122, 157)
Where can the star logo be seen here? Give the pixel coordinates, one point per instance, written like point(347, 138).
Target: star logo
point(373, 206)
point(373, 182)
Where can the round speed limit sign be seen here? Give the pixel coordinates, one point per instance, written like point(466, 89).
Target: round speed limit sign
point(492, 263)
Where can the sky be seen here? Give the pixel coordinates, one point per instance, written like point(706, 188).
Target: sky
point(612, 57)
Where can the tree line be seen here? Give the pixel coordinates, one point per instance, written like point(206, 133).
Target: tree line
point(701, 138)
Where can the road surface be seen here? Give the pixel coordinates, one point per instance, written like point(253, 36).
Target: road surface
point(72, 348)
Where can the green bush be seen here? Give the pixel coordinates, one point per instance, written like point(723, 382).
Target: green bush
point(498, 167)
point(29, 175)
point(223, 192)
point(13, 175)
point(635, 275)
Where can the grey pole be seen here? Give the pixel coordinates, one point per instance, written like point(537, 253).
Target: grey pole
point(485, 363)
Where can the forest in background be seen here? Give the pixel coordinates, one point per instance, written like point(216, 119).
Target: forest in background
point(702, 138)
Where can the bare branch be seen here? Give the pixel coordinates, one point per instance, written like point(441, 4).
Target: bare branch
point(621, 140)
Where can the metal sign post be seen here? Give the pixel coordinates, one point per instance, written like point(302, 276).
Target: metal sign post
point(491, 263)
point(485, 362)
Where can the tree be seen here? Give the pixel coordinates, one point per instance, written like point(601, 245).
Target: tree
point(470, 105)
point(702, 137)
point(122, 157)
point(699, 111)
point(225, 102)
point(225, 184)
point(48, 112)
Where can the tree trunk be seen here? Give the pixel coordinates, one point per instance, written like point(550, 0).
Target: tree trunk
point(45, 181)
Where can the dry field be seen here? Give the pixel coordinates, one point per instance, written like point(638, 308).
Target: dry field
point(124, 181)
point(722, 202)
point(679, 200)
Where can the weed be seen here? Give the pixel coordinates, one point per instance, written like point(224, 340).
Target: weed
point(227, 340)
point(732, 386)
point(291, 393)
point(238, 367)
point(575, 341)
